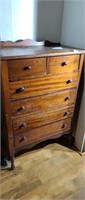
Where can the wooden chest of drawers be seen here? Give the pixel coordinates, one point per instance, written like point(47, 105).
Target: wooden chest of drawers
point(39, 87)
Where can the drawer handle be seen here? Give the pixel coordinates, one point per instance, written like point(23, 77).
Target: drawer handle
point(22, 125)
point(64, 63)
point(66, 113)
point(20, 90)
point(23, 138)
point(27, 68)
point(67, 98)
point(64, 125)
point(21, 108)
point(69, 81)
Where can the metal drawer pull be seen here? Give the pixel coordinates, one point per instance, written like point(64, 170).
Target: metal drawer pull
point(20, 90)
point(66, 113)
point(64, 125)
point(27, 68)
point(22, 125)
point(64, 63)
point(69, 81)
point(21, 108)
point(67, 98)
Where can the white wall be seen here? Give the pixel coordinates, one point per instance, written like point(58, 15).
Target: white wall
point(6, 31)
point(73, 23)
point(35, 19)
point(73, 34)
point(17, 19)
point(49, 20)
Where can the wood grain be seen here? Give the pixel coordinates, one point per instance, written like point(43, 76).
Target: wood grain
point(35, 52)
point(7, 109)
point(42, 133)
point(18, 69)
point(50, 173)
point(42, 85)
point(39, 87)
point(6, 99)
point(33, 121)
point(61, 64)
point(42, 103)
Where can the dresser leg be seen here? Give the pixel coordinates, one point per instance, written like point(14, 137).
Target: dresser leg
point(12, 162)
point(69, 139)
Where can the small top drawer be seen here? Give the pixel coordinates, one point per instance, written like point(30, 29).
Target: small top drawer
point(61, 64)
point(19, 69)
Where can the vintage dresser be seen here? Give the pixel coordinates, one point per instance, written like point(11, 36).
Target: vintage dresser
point(39, 89)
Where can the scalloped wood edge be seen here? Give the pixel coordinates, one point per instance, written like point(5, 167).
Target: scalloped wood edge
point(21, 43)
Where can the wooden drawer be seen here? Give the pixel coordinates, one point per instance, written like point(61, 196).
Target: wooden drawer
point(43, 103)
point(19, 69)
point(43, 132)
point(43, 85)
point(61, 64)
point(28, 122)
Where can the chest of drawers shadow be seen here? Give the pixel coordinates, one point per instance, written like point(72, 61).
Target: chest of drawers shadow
point(39, 87)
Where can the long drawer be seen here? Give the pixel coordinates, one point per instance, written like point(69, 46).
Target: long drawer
point(62, 64)
point(43, 85)
point(19, 69)
point(43, 103)
point(28, 122)
point(42, 132)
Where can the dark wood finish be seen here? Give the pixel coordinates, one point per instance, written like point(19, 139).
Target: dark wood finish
point(82, 59)
point(40, 86)
point(12, 162)
point(6, 99)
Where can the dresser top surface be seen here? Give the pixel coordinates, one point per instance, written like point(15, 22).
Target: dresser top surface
point(8, 53)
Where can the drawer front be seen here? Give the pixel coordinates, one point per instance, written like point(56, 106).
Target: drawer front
point(63, 64)
point(43, 85)
point(43, 103)
point(18, 69)
point(46, 131)
point(28, 122)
